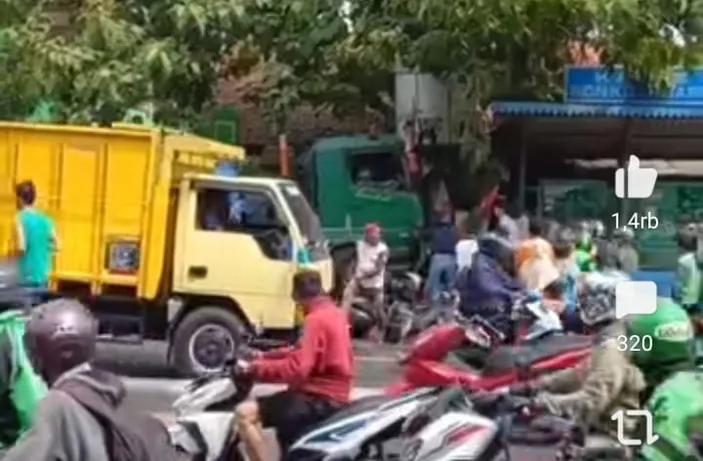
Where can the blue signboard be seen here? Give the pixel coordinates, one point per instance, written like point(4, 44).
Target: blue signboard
point(598, 85)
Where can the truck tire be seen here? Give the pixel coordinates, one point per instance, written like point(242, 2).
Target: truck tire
point(203, 340)
point(344, 260)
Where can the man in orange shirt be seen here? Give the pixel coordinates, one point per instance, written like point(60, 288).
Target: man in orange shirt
point(534, 259)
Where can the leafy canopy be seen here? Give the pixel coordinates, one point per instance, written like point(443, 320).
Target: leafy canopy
point(94, 59)
point(110, 55)
point(344, 53)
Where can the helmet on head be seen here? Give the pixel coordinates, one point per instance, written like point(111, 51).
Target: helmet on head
point(596, 298)
point(671, 333)
point(499, 249)
point(624, 235)
point(60, 335)
point(597, 228)
point(607, 256)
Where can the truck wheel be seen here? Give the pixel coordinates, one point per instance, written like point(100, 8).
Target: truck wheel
point(344, 260)
point(204, 339)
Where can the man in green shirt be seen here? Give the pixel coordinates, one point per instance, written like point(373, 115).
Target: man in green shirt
point(35, 237)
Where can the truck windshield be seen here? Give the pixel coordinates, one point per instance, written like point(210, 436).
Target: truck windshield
point(305, 217)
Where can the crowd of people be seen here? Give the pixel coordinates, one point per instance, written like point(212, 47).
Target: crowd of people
point(573, 269)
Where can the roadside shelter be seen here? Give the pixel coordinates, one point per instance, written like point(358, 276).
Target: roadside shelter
point(563, 156)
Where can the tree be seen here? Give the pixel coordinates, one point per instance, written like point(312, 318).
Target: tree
point(114, 55)
point(313, 57)
point(490, 48)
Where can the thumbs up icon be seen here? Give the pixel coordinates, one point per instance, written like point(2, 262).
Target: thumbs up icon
point(640, 181)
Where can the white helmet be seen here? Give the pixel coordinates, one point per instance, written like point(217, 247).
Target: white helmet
point(596, 296)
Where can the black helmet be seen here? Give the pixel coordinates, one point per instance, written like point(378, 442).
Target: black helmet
point(499, 249)
point(60, 335)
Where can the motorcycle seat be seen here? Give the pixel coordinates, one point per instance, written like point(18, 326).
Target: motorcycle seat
point(505, 358)
point(357, 406)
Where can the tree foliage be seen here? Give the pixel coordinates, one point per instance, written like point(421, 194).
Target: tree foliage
point(113, 55)
point(489, 48)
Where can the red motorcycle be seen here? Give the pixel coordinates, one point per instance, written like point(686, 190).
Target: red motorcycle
point(485, 362)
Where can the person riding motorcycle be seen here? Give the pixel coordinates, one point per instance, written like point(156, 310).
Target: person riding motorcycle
point(489, 287)
point(319, 372)
point(60, 339)
point(674, 384)
point(607, 381)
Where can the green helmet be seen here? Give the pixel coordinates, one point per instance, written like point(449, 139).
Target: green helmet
point(665, 337)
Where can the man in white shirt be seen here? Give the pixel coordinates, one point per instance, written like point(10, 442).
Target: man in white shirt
point(369, 277)
point(467, 246)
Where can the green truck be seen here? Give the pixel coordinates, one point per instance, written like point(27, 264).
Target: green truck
point(354, 180)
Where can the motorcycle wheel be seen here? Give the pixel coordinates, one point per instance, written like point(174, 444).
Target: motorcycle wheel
point(399, 325)
point(360, 323)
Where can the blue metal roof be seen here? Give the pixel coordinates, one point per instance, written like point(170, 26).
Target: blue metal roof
point(555, 109)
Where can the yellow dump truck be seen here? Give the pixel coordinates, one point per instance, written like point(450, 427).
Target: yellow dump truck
point(158, 240)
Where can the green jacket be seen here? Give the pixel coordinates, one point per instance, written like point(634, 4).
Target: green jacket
point(584, 260)
point(21, 389)
point(676, 407)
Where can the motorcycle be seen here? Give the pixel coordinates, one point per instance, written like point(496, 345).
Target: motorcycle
point(401, 293)
point(204, 428)
point(484, 426)
point(409, 314)
point(478, 354)
point(360, 431)
point(205, 415)
point(12, 294)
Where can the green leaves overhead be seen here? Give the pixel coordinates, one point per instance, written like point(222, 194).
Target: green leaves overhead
point(94, 59)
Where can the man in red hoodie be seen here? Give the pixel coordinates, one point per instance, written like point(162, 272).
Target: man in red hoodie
point(318, 370)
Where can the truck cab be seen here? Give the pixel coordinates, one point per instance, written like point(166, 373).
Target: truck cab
point(354, 180)
point(238, 243)
point(244, 238)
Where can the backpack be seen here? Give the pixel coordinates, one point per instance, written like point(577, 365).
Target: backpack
point(128, 436)
point(27, 388)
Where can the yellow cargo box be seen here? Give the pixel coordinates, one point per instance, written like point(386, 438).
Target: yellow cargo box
point(102, 185)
